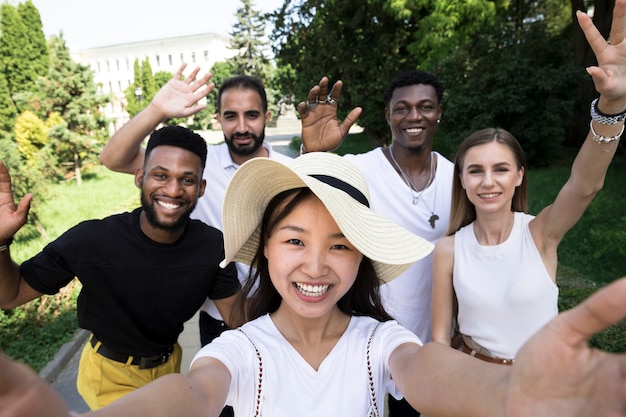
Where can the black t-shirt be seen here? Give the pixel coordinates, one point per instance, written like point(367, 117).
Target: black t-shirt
point(136, 293)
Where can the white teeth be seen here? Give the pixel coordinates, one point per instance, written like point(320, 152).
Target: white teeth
point(415, 130)
point(312, 290)
point(168, 206)
point(493, 195)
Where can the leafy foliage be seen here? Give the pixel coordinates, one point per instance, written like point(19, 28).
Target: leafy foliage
point(503, 62)
point(69, 91)
point(30, 135)
point(527, 87)
point(363, 46)
point(36, 46)
point(22, 56)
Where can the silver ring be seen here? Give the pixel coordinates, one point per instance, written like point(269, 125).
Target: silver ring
point(312, 106)
point(331, 100)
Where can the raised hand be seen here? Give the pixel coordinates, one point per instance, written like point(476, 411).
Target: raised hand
point(321, 130)
point(609, 76)
point(557, 374)
point(179, 98)
point(12, 217)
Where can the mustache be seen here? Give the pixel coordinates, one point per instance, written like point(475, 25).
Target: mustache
point(243, 135)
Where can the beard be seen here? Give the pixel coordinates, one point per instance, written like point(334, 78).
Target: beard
point(151, 215)
point(257, 142)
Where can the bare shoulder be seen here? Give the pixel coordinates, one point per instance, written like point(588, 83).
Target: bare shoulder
point(445, 246)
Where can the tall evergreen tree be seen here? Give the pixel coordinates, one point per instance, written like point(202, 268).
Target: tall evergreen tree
point(248, 37)
point(23, 50)
point(143, 88)
point(148, 84)
point(70, 91)
point(16, 66)
point(37, 47)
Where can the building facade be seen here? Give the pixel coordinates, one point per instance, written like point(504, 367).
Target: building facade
point(113, 65)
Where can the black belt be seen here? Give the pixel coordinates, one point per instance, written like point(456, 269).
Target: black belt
point(146, 362)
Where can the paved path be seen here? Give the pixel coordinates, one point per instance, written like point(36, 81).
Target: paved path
point(61, 372)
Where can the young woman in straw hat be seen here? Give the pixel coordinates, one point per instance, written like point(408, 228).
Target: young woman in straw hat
point(495, 272)
point(318, 342)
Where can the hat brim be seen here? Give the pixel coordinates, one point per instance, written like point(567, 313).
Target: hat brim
point(391, 248)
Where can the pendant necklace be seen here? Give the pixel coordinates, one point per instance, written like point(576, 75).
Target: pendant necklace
point(417, 194)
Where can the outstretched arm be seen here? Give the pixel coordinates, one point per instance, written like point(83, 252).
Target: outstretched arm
point(555, 373)
point(590, 166)
point(177, 98)
point(13, 289)
point(321, 130)
point(24, 394)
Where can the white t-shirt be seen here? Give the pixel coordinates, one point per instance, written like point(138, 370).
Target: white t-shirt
point(218, 172)
point(291, 387)
point(408, 297)
point(504, 291)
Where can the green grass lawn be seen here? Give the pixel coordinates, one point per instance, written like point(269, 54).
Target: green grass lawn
point(592, 254)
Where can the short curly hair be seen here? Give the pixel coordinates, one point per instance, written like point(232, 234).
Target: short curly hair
point(408, 78)
point(180, 137)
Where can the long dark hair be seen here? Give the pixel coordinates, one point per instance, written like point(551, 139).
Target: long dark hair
point(362, 299)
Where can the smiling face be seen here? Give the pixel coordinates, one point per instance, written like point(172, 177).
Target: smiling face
point(412, 115)
point(490, 175)
point(171, 183)
point(243, 120)
point(310, 262)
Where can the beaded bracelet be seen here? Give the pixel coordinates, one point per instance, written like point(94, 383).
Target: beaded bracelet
point(604, 139)
point(603, 118)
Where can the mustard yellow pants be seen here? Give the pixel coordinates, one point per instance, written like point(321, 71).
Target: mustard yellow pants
point(101, 381)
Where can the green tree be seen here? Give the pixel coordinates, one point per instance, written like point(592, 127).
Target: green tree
point(23, 50)
point(499, 59)
point(134, 92)
point(30, 135)
point(13, 54)
point(363, 46)
point(510, 76)
point(8, 111)
point(69, 91)
point(36, 45)
point(248, 38)
point(142, 89)
point(148, 84)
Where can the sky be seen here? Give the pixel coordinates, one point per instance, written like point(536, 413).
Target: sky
point(92, 23)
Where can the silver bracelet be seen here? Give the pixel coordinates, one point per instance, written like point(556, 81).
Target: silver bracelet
point(605, 119)
point(604, 139)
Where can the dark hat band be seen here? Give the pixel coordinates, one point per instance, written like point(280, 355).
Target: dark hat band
point(343, 186)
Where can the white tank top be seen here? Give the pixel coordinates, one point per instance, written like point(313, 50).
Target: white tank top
point(505, 293)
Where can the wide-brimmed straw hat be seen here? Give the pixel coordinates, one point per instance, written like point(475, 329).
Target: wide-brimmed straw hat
point(341, 188)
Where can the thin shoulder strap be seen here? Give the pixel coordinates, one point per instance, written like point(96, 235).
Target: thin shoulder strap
point(258, 403)
point(373, 412)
